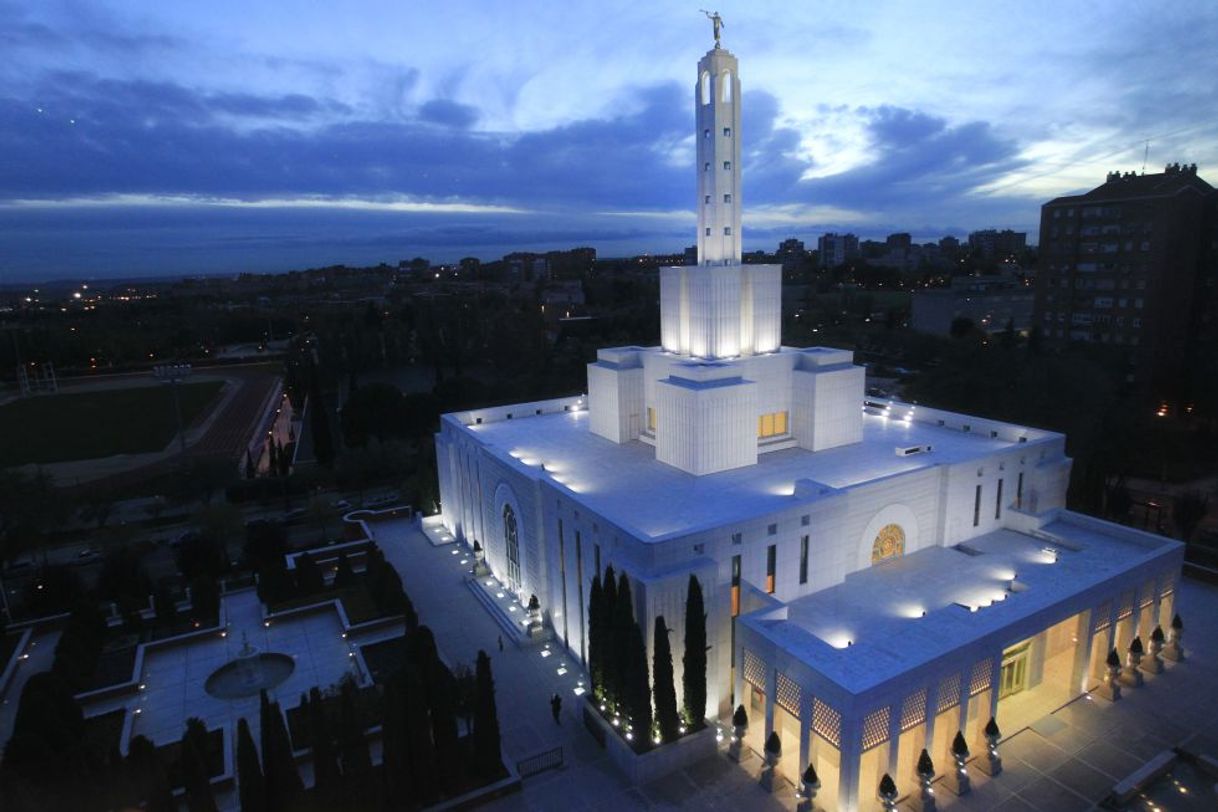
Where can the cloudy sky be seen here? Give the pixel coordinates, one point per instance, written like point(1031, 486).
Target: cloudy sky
point(141, 137)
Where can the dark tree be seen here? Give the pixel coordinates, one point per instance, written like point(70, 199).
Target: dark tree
point(376, 410)
point(79, 647)
point(44, 751)
point(344, 576)
point(487, 759)
point(638, 686)
point(275, 583)
point(596, 636)
point(665, 690)
point(204, 600)
point(283, 784)
point(149, 777)
point(319, 424)
point(195, 775)
point(353, 750)
point(395, 752)
point(1188, 512)
point(327, 779)
point(418, 735)
point(441, 702)
point(251, 786)
point(309, 578)
point(693, 676)
point(619, 659)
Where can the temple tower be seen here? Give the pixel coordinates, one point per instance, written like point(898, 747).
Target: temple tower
point(717, 113)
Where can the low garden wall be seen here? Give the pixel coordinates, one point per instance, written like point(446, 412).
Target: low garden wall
point(640, 768)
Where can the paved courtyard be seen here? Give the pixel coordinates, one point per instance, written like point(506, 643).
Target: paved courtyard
point(1067, 760)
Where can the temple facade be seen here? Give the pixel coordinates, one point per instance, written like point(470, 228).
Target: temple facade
point(878, 576)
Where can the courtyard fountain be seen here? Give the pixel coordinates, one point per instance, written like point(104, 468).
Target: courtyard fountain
point(249, 672)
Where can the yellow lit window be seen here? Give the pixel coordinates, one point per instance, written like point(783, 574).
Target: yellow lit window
point(651, 419)
point(771, 425)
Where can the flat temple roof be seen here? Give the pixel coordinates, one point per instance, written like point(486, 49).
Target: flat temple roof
point(906, 612)
point(625, 484)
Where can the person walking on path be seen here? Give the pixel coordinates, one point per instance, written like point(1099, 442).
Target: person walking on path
point(501, 642)
point(556, 707)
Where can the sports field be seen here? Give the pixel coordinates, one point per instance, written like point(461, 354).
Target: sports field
point(87, 425)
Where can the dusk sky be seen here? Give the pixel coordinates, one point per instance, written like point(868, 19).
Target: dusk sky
point(141, 137)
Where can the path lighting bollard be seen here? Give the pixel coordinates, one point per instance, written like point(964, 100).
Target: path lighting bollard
point(888, 793)
point(740, 726)
point(1154, 663)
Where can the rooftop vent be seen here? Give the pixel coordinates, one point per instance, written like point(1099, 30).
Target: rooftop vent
point(909, 450)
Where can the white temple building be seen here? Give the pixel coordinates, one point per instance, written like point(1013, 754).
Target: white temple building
point(878, 575)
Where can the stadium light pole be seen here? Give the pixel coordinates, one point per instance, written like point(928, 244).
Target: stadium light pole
point(173, 374)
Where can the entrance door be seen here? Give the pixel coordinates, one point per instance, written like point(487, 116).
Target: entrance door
point(1014, 670)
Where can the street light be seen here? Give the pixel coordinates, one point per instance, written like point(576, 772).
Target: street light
point(172, 374)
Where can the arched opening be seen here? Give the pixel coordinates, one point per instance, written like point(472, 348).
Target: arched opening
point(706, 87)
point(725, 93)
point(889, 543)
point(512, 542)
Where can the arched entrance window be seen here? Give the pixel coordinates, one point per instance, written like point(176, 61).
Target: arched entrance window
point(889, 543)
point(512, 541)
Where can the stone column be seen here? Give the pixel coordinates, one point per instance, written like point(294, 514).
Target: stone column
point(932, 712)
point(805, 728)
point(771, 695)
point(1079, 677)
point(1174, 650)
point(1131, 674)
point(894, 738)
point(850, 754)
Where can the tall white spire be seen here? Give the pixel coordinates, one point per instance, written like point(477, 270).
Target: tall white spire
point(717, 113)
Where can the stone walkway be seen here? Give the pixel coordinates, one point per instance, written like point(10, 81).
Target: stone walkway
point(1066, 761)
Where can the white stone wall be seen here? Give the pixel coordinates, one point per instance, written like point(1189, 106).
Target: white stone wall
point(828, 406)
point(615, 396)
point(764, 284)
point(703, 430)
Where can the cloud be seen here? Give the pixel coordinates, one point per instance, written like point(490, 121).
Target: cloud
point(918, 158)
point(448, 113)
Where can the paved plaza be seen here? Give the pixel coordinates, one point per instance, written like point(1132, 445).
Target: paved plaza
point(1068, 760)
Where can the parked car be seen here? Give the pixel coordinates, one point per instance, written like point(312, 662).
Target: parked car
point(341, 504)
point(87, 554)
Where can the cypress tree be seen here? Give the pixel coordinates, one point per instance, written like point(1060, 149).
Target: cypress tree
point(195, 775)
point(608, 610)
point(283, 784)
point(327, 779)
point(353, 749)
point(693, 676)
point(319, 423)
point(487, 758)
point(638, 687)
point(595, 601)
point(150, 777)
point(619, 656)
point(418, 736)
point(395, 752)
point(309, 579)
point(665, 690)
point(251, 787)
point(344, 576)
point(441, 702)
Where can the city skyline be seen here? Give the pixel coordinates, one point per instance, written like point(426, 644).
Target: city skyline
point(156, 140)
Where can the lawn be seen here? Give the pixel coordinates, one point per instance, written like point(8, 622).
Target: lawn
point(57, 428)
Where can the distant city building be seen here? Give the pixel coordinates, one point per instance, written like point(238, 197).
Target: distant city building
point(992, 244)
point(950, 246)
point(989, 302)
point(899, 241)
point(837, 249)
point(790, 247)
point(1133, 263)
